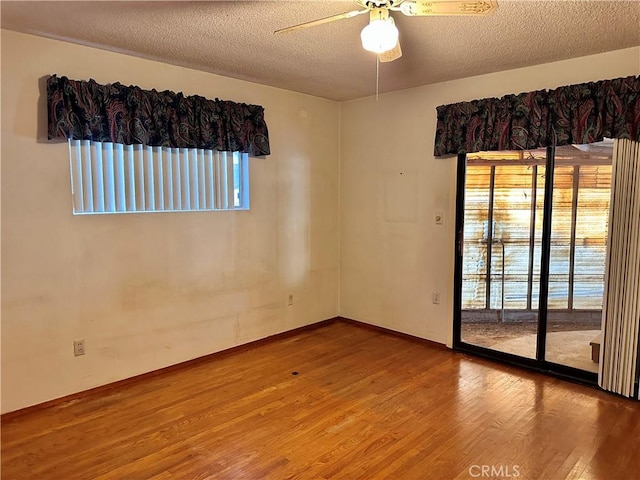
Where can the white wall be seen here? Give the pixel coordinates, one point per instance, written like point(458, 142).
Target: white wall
point(393, 256)
point(150, 290)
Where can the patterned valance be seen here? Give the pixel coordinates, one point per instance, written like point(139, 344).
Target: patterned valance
point(574, 114)
point(83, 110)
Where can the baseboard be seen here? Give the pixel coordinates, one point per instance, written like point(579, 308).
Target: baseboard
point(406, 336)
point(8, 416)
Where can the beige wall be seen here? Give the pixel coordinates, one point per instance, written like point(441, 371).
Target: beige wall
point(393, 256)
point(150, 290)
point(341, 217)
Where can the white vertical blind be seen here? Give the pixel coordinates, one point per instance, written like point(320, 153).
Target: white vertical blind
point(210, 182)
point(75, 167)
point(159, 181)
point(229, 180)
point(130, 179)
point(186, 179)
point(220, 174)
point(109, 180)
point(149, 178)
point(621, 313)
point(177, 180)
point(167, 160)
point(112, 178)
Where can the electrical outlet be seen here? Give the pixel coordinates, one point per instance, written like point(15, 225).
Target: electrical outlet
point(78, 347)
point(290, 299)
point(435, 297)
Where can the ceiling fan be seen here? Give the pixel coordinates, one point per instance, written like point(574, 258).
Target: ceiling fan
point(381, 35)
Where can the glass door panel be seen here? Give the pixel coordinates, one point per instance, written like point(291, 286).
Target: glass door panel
point(504, 198)
point(580, 215)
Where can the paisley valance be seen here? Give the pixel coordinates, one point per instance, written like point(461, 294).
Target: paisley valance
point(573, 114)
point(86, 110)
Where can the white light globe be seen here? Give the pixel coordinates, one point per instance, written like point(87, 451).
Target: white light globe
point(379, 36)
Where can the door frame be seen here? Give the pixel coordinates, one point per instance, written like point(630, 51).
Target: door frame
point(539, 364)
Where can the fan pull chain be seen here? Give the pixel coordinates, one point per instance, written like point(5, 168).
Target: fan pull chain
point(377, 75)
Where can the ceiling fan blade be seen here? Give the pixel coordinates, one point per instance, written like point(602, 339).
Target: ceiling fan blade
point(416, 8)
point(320, 21)
point(391, 55)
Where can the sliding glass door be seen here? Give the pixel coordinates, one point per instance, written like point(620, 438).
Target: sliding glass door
point(531, 244)
point(578, 247)
point(501, 252)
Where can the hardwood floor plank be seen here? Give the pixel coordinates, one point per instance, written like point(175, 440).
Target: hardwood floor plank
point(362, 404)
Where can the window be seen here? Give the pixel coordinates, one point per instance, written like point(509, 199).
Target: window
point(115, 178)
point(503, 229)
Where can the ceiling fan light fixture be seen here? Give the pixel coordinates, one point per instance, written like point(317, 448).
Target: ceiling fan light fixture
point(381, 35)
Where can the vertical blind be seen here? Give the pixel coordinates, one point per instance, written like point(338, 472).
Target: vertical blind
point(621, 312)
point(112, 178)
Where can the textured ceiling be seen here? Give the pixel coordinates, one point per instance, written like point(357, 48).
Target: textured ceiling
point(236, 39)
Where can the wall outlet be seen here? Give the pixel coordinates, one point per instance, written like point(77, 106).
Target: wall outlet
point(78, 347)
point(435, 297)
point(290, 301)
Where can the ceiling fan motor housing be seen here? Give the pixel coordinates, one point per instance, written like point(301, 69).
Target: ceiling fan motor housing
point(371, 4)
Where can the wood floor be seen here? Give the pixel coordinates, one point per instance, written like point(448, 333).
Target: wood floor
point(364, 404)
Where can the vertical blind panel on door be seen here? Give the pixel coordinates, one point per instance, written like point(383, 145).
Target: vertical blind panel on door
point(621, 312)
